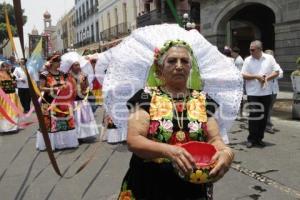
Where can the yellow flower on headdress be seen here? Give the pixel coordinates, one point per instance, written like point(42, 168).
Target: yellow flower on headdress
point(196, 109)
point(160, 107)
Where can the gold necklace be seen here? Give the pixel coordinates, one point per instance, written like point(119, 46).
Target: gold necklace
point(180, 135)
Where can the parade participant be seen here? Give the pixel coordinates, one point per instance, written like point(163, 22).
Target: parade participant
point(96, 89)
point(259, 70)
point(128, 65)
point(86, 126)
point(113, 134)
point(58, 116)
point(238, 60)
point(8, 85)
point(22, 84)
point(160, 117)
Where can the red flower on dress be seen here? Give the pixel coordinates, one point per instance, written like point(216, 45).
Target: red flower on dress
point(179, 107)
point(153, 127)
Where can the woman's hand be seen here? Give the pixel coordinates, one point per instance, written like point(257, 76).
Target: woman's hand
point(223, 160)
point(182, 159)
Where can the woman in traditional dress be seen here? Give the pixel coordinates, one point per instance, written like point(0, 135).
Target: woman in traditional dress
point(161, 117)
point(85, 121)
point(96, 88)
point(8, 85)
point(59, 93)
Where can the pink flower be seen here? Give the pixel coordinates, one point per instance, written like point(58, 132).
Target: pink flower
point(156, 50)
point(194, 126)
point(167, 125)
point(153, 127)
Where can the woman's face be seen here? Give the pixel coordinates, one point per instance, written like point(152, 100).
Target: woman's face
point(76, 68)
point(55, 65)
point(176, 67)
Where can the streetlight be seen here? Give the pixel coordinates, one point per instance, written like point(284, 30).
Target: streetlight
point(193, 25)
point(185, 20)
point(187, 24)
point(185, 16)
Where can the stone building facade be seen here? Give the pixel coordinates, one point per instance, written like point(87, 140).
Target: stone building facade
point(238, 22)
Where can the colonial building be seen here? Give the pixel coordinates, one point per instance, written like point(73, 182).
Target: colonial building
point(238, 22)
point(117, 19)
point(87, 24)
point(71, 33)
point(66, 32)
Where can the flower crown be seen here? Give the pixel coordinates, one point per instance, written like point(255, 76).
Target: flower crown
point(158, 53)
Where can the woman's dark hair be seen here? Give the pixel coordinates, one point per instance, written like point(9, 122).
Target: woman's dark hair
point(54, 58)
point(236, 49)
point(227, 52)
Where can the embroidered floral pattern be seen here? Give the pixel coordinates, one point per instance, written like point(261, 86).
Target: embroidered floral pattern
point(160, 107)
point(162, 113)
point(196, 108)
point(153, 127)
point(125, 193)
point(163, 128)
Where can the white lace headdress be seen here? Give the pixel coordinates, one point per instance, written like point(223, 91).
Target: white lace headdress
point(68, 59)
point(130, 61)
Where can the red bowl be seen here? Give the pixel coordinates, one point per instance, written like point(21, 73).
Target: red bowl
point(202, 153)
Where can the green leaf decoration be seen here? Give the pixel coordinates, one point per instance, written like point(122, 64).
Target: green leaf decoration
point(160, 137)
point(194, 135)
point(194, 81)
point(167, 135)
point(124, 186)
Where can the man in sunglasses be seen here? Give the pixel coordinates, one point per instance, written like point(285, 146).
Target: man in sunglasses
point(258, 70)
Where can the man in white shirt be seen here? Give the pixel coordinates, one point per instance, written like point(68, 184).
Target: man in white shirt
point(22, 85)
point(258, 70)
point(238, 60)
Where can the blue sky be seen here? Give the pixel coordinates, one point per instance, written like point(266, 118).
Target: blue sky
point(34, 10)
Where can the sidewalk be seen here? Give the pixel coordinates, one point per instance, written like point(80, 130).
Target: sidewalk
point(285, 96)
point(284, 102)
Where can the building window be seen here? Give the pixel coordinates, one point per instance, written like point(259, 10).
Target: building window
point(83, 12)
point(147, 7)
point(108, 20)
point(116, 16)
point(80, 16)
point(87, 8)
point(92, 32)
point(96, 5)
point(92, 5)
point(87, 36)
point(77, 17)
point(97, 31)
point(125, 12)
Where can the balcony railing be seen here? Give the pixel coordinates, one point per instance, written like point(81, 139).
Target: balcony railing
point(84, 42)
point(115, 32)
point(158, 17)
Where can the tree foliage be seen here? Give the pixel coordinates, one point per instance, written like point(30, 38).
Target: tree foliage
point(11, 16)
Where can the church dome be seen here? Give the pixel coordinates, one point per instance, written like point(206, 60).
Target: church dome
point(47, 15)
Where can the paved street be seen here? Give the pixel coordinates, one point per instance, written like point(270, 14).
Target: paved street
point(271, 173)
